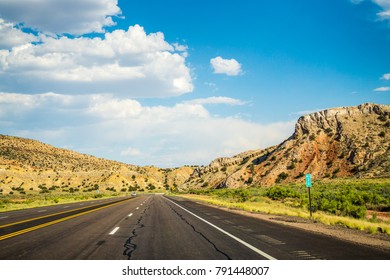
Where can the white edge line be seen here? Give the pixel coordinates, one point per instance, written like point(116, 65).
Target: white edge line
point(253, 248)
point(113, 231)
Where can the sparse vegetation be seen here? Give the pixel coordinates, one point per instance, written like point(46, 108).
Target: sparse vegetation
point(282, 176)
point(333, 201)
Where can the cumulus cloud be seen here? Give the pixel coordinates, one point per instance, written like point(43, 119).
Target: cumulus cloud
point(230, 67)
point(11, 36)
point(126, 130)
point(131, 63)
point(75, 17)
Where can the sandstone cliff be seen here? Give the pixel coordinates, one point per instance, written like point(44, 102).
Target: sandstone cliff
point(339, 142)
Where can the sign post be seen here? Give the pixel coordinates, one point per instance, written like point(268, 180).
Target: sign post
point(308, 185)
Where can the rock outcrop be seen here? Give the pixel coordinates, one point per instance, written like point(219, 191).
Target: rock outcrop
point(339, 142)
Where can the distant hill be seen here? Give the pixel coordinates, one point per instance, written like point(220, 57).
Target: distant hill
point(339, 142)
point(29, 166)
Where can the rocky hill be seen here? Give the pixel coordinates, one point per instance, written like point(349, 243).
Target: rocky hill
point(28, 166)
point(339, 142)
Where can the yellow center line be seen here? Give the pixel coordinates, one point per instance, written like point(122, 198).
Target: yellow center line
point(46, 216)
point(56, 221)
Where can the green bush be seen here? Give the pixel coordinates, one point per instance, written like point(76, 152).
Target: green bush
point(282, 176)
point(280, 193)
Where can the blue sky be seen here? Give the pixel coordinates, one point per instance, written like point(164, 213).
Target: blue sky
point(171, 83)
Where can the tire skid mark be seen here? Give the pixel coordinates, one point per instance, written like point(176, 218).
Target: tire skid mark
point(198, 232)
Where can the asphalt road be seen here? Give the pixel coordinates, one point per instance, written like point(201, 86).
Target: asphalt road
point(155, 227)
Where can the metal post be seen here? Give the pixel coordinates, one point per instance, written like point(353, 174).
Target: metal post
point(310, 202)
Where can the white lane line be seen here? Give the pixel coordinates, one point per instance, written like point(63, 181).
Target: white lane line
point(81, 204)
point(253, 248)
point(141, 204)
point(113, 231)
point(137, 208)
point(131, 214)
point(65, 207)
point(40, 211)
point(3, 217)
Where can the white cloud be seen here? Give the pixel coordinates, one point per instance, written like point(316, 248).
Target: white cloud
point(113, 108)
point(383, 4)
point(126, 130)
point(58, 16)
point(306, 112)
point(230, 67)
point(10, 36)
point(130, 152)
point(129, 63)
point(386, 76)
point(382, 89)
point(216, 100)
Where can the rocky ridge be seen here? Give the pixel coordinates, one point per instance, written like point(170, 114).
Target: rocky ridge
point(339, 142)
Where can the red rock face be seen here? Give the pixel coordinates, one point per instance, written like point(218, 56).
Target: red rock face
point(340, 142)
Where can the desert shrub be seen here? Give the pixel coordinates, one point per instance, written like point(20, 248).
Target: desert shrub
point(282, 176)
point(280, 193)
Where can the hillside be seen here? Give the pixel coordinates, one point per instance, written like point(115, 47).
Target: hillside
point(339, 142)
point(28, 166)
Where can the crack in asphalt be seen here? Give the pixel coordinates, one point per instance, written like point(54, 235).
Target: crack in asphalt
point(198, 232)
point(129, 245)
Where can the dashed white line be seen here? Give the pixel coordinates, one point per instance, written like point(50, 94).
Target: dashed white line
point(3, 217)
point(137, 208)
point(113, 231)
point(40, 211)
point(65, 207)
point(131, 214)
point(253, 248)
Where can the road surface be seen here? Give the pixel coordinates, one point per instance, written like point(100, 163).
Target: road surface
point(157, 227)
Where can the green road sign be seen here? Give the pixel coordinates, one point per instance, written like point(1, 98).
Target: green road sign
point(308, 180)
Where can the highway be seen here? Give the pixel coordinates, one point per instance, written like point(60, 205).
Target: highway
point(155, 227)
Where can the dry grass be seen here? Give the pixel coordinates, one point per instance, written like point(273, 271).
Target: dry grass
point(41, 201)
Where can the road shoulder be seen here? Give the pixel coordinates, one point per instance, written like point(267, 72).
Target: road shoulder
point(378, 240)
